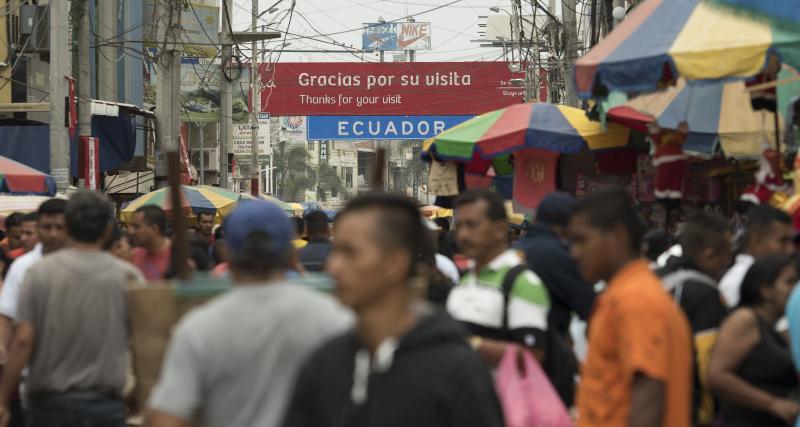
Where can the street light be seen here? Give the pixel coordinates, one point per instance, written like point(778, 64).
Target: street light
point(496, 9)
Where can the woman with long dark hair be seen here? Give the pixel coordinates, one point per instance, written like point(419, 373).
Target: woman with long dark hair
point(751, 368)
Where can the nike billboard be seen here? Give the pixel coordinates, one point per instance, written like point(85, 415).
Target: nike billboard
point(396, 36)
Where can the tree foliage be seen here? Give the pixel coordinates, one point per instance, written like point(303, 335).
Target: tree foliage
point(293, 173)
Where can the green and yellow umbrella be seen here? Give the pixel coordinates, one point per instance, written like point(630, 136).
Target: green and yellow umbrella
point(558, 128)
point(194, 201)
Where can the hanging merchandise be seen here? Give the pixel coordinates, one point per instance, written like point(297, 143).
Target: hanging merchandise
point(669, 160)
point(769, 187)
point(534, 176)
point(443, 179)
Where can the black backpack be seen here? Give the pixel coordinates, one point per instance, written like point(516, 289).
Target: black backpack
point(560, 363)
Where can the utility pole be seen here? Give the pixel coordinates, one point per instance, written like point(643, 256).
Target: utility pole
point(59, 70)
point(226, 125)
point(255, 107)
point(84, 77)
point(568, 18)
point(168, 91)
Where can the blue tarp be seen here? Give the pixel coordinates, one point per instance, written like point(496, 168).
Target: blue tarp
point(28, 142)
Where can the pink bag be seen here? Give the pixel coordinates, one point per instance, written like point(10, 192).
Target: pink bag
point(528, 398)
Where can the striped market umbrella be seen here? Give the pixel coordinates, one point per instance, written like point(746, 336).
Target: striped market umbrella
point(194, 200)
point(719, 115)
point(281, 204)
point(544, 126)
point(16, 178)
point(663, 39)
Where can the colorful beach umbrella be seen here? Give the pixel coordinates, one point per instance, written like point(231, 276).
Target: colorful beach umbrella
point(719, 115)
point(195, 200)
point(663, 39)
point(16, 178)
point(551, 127)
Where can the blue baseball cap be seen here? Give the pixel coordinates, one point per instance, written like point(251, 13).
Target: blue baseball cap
point(258, 215)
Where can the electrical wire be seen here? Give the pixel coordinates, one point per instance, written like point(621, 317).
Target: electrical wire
point(35, 49)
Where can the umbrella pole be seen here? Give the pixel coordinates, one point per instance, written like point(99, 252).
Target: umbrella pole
point(180, 253)
point(778, 138)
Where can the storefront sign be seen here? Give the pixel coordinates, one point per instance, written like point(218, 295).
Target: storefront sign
point(380, 127)
point(415, 88)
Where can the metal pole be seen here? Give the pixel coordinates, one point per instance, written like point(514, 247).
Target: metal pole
point(59, 69)
point(84, 85)
point(168, 90)
point(569, 19)
point(226, 110)
point(255, 107)
point(202, 178)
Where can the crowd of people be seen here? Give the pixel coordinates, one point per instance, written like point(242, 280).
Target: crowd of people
point(694, 330)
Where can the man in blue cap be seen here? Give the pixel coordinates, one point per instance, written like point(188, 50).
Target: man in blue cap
point(547, 255)
point(236, 358)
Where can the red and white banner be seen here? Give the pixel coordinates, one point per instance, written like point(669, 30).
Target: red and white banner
point(390, 88)
point(90, 153)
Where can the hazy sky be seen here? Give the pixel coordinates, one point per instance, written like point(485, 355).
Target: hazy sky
point(452, 27)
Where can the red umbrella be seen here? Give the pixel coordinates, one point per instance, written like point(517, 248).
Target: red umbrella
point(16, 178)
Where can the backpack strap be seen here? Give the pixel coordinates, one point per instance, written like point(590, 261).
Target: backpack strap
point(506, 287)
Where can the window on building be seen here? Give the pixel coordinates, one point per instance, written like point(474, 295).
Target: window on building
point(310, 145)
point(348, 177)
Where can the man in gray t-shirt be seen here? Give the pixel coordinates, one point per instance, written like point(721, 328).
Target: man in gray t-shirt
point(72, 326)
point(233, 362)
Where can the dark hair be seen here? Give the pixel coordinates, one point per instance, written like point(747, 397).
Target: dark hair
point(211, 214)
point(761, 218)
point(317, 223)
point(88, 215)
point(14, 220)
point(399, 225)
point(607, 209)
point(116, 235)
point(701, 232)
point(299, 226)
point(763, 272)
point(496, 209)
point(28, 217)
point(219, 233)
point(257, 256)
point(52, 207)
point(443, 223)
point(657, 242)
point(154, 215)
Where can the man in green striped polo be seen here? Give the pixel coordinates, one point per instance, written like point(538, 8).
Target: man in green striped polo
point(499, 300)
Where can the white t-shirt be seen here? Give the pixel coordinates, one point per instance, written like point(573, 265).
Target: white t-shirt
point(731, 283)
point(9, 296)
point(448, 268)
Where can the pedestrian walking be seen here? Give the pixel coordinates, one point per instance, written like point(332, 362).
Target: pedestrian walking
point(27, 235)
point(72, 327)
point(692, 280)
point(13, 225)
point(499, 300)
point(205, 227)
point(51, 236)
point(404, 364)
point(314, 254)
point(751, 366)
point(769, 231)
point(148, 228)
point(235, 359)
point(547, 255)
point(638, 368)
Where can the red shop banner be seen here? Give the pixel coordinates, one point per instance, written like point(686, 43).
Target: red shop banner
point(391, 88)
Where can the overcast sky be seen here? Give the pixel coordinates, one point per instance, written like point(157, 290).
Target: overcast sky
point(452, 27)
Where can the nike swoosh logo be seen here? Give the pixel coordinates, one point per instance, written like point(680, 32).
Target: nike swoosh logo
point(409, 42)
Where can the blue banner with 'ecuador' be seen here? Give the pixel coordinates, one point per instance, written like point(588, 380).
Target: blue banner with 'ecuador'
point(380, 127)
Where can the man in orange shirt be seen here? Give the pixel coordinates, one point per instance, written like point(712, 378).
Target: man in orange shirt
point(638, 371)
